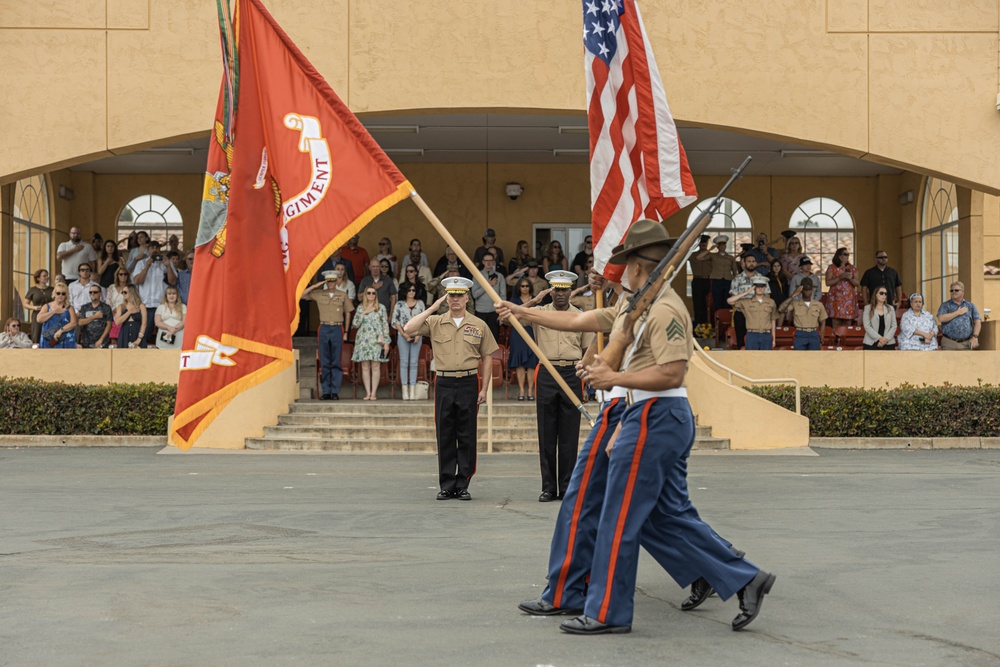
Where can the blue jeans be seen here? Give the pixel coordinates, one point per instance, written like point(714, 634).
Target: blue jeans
point(408, 354)
point(759, 341)
point(806, 340)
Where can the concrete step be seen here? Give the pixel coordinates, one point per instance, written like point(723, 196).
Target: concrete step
point(528, 433)
point(288, 443)
point(416, 408)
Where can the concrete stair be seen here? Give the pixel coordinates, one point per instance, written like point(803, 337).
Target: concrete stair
point(396, 426)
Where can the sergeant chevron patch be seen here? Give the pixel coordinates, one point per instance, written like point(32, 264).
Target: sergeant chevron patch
point(675, 330)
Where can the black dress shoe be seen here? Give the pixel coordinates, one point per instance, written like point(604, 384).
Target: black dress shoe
point(463, 494)
point(446, 495)
point(752, 597)
point(546, 497)
point(584, 625)
point(325, 397)
point(540, 607)
point(334, 397)
point(700, 591)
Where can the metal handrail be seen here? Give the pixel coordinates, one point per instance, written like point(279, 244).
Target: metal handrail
point(731, 372)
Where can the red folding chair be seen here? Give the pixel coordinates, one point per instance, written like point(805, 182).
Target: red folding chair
point(723, 319)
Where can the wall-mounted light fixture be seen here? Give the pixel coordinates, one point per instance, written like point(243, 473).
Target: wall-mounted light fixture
point(574, 129)
point(513, 190)
point(394, 129)
point(404, 151)
point(66, 193)
point(906, 198)
point(570, 152)
point(807, 152)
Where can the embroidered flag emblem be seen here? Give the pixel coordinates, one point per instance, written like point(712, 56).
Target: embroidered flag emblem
point(675, 330)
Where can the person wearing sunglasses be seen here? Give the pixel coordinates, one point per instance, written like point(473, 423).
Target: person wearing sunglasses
point(882, 275)
point(58, 320)
point(130, 317)
point(960, 321)
point(879, 321)
point(12, 337)
point(95, 321)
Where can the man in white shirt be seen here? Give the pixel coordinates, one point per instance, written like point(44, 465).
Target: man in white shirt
point(73, 253)
point(151, 276)
point(79, 292)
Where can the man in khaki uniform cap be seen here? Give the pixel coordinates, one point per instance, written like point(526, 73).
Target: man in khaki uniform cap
point(760, 312)
point(459, 341)
point(558, 418)
point(335, 318)
point(807, 316)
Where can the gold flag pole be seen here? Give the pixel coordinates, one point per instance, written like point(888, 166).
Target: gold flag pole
point(450, 240)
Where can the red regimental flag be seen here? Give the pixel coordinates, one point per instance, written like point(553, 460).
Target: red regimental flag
point(292, 174)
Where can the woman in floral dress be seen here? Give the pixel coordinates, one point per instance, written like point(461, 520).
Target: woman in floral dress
point(842, 279)
point(371, 343)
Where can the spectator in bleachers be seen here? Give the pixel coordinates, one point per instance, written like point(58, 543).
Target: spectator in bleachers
point(411, 278)
point(529, 271)
point(763, 253)
point(58, 320)
point(385, 288)
point(95, 320)
point(343, 283)
point(97, 243)
point(522, 255)
point(804, 275)
point(12, 337)
point(554, 259)
point(842, 282)
point(357, 256)
point(485, 305)
point(139, 252)
point(777, 282)
point(917, 328)
point(113, 295)
point(495, 251)
point(385, 252)
point(409, 346)
point(882, 275)
point(489, 241)
point(449, 258)
point(36, 297)
point(580, 260)
point(108, 262)
point(73, 253)
point(79, 291)
point(371, 344)
point(759, 312)
point(385, 266)
point(521, 358)
point(879, 321)
point(173, 244)
point(960, 321)
point(791, 258)
point(418, 259)
point(809, 317)
point(169, 320)
point(184, 276)
point(151, 277)
point(130, 317)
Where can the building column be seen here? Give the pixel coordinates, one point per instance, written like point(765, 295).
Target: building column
point(970, 242)
point(6, 250)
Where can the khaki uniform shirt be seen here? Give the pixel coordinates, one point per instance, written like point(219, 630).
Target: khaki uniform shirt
point(333, 305)
point(808, 317)
point(584, 302)
point(701, 268)
point(760, 314)
point(611, 319)
point(458, 348)
point(561, 345)
point(667, 334)
point(723, 267)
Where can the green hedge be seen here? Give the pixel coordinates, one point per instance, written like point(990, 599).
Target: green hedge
point(33, 407)
point(903, 412)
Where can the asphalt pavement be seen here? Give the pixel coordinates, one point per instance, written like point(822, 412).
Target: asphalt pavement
point(130, 557)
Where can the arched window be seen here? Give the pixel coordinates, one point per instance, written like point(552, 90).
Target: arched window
point(154, 214)
point(731, 219)
point(823, 225)
point(938, 242)
point(32, 232)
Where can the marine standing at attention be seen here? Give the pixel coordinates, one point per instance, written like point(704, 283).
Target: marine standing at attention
point(558, 418)
point(459, 341)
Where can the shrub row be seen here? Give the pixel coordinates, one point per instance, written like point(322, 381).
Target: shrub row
point(902, 412)
point(33, 407)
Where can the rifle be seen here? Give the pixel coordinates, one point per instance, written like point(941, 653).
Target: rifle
point(665, 270)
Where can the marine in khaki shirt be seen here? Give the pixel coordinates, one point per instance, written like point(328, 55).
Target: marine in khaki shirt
point(333, 304)
point(458, 348)
point(665, 334)
point(562, 345)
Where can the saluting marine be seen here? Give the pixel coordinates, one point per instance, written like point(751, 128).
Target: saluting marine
point(459, 341)
point(335, 318)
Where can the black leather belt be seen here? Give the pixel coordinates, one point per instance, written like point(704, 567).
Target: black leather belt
point(955, 339)
point(456, 374)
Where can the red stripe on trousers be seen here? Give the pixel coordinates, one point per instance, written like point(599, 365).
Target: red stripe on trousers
point(578, 507)
point(623, 510)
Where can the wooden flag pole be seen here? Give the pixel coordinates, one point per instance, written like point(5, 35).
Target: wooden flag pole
point(450, 240)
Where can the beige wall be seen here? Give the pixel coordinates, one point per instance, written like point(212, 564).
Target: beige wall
point(870, 78)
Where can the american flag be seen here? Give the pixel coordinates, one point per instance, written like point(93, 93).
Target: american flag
point(638, 168)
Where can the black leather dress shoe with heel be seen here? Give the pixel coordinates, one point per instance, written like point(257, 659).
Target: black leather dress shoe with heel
point(752, 597)
point(585, 625)
point(539, 607)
